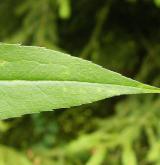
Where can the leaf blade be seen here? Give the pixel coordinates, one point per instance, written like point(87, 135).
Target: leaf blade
point(34, 79)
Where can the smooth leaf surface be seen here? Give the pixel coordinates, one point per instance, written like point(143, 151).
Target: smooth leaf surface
point(35, 79)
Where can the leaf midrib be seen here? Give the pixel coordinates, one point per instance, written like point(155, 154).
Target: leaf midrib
point(3, 82)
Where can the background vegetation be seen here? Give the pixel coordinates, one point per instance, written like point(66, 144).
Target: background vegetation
point(121, 35)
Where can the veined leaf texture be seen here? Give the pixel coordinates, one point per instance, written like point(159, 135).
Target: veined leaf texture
point(35, 79)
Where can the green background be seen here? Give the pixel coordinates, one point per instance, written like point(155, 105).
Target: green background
point(120, 35)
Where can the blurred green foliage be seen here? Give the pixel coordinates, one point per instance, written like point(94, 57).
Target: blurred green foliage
point(123, 36)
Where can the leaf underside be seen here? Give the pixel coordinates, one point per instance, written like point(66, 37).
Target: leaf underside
point(35, 79)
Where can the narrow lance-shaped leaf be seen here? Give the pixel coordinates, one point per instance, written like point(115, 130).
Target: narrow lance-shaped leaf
point(35, 79)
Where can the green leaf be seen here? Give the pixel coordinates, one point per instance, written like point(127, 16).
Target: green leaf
point(157, 2)
point(98, 156)
point(35, 79)
point(128, 156)
point(64, 9)
point(10, 156)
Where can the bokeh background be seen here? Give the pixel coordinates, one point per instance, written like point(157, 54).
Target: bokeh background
point(121, 35)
